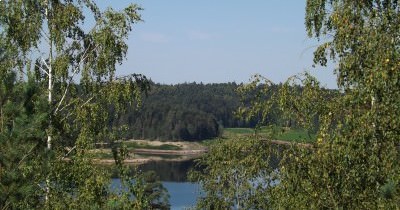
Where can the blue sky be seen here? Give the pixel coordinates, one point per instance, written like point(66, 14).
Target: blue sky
point(213, 41)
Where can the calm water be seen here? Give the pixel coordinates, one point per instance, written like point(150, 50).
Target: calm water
point(182, 194)
point(170, 171)
point(173, 174)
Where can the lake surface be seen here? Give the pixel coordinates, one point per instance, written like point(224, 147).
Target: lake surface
point(173, 174)
point(170, 171)
point(182, 194)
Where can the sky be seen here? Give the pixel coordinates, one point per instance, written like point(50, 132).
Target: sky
point(217, 41)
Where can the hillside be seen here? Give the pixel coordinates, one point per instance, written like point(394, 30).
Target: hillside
point(188, 111)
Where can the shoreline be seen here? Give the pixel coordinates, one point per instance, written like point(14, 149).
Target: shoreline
point(189, 150)
point(141, 156)
point(139, 161)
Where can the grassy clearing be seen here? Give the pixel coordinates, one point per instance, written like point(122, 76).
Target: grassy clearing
point(271, 132)
point(239, 131)
point(297, 135)
point(103, 155)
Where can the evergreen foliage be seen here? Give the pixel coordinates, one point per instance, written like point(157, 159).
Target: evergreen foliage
point(184, 112)
point(57, 83)
point(194, 112)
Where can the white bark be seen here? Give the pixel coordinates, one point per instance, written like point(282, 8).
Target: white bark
point(50, 89)
point(85, 55)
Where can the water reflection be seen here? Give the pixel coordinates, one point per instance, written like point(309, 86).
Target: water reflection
point(170, 171)
point(183, 195)
point(173, 174)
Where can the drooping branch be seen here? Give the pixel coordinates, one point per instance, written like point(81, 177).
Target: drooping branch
point(42, 69)
point(85, 56)
point(69, 151)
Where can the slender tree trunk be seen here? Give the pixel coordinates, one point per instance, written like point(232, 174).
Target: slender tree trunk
point(49, 133)
point(50, 89)
point(50, 126)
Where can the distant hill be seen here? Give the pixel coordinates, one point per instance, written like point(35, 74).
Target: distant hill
point(188, 111)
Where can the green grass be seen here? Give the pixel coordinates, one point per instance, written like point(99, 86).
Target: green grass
point(271, 132)
point(103, 155)
point(239, 131)
point(298, 135)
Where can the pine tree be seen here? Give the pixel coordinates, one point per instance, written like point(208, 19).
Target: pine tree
point(66, 70)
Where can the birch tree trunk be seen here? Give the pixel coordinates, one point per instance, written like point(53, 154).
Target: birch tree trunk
point(50, 89)
point(53, 36)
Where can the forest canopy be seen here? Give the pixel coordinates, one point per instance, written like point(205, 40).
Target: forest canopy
point(197, 111)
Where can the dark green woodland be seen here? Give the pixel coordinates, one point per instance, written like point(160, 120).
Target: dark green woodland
point(60, 94)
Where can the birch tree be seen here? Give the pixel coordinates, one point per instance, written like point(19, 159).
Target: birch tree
point(71, 50)
point(354, 164)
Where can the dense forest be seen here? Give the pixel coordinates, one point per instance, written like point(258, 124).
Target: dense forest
point(60, 94)
point(184, 112)
point(188, 111)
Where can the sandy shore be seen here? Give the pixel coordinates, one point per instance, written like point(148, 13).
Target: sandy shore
point(189, 150)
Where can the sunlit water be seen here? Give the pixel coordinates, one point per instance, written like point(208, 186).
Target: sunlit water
point(173, 174)
point(182, 194)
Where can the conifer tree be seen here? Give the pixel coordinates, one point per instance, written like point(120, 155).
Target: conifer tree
point(66, 69)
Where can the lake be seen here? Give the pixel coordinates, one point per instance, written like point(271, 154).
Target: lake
point(173, 174)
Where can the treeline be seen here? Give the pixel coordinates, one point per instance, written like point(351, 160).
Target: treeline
point(189, 111)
